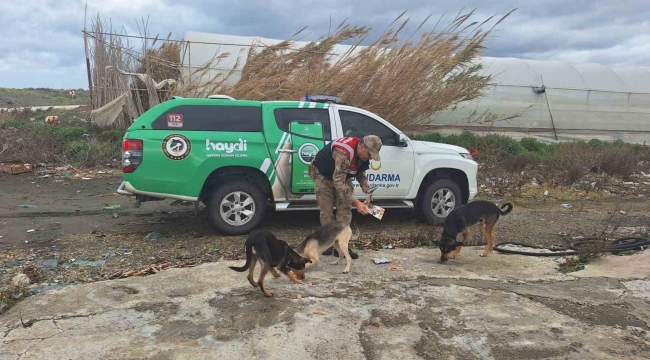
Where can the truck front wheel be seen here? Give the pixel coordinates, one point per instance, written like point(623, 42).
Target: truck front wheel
point(438, 200)
point(236, 207)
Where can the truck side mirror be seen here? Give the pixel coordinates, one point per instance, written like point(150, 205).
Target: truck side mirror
point(402, 140)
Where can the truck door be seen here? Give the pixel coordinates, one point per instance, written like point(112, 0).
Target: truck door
point(304, 151)
point(394, 174)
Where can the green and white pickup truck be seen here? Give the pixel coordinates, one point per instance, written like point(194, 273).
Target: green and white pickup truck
point(239, 157)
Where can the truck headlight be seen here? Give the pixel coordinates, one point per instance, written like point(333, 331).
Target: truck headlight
point(467, 156)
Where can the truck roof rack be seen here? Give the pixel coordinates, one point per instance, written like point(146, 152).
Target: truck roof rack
point(221, 97)
point(322, 98)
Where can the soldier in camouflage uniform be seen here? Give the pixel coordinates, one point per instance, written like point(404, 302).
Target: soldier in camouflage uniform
point(333, 169)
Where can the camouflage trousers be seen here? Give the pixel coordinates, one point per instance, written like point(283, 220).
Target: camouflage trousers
point(327, 197)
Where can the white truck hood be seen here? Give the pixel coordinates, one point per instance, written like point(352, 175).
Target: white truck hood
point(437, 147)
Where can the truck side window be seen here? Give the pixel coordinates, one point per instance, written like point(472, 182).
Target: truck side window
point(210, 118)
point(360, 125)
point(284, 117)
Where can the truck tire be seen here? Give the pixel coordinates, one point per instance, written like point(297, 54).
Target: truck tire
point(236, 207)
point(438, 200)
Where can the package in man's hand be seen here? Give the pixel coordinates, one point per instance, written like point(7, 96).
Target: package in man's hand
point(374, 210)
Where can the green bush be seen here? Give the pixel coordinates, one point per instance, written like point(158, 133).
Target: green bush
point(77, 150)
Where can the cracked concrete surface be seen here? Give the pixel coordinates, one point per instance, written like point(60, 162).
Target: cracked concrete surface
point(499, 307)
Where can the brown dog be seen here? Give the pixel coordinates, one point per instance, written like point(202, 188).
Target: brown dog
point(459, 221)
point(335, 233)
point(263, 247)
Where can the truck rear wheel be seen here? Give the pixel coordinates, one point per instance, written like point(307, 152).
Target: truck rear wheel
point(236, 207)
point(439, 199)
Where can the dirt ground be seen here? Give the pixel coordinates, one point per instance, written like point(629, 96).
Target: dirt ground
point(75, 240)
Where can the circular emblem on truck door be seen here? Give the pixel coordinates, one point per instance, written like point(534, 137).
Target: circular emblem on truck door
point(176, 146)
point(307, 153)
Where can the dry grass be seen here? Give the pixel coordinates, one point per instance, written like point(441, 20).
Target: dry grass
point(620, 161)
point(403, 80)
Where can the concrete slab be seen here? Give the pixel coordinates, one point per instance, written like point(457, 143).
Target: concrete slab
point(500, 307)
point(635, 266)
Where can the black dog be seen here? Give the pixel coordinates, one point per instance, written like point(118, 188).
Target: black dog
point(459, 221)
point(263, 247)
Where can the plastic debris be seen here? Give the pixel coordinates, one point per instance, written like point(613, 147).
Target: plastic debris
point(381, 260)
point(31, 230)
point(27, 206)
point(546, 193)
point(116, 215)
point(53, 246)
point(154, 236)
point(567, 206)
point(388, 247)
point(113, 207)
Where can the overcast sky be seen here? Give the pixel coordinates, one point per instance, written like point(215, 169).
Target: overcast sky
point(41, 43)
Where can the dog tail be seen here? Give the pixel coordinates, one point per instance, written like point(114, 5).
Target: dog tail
point(249, 260)
point(508, 210)
point(356, 236)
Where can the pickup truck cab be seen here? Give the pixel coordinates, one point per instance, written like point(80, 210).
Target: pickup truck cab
point(241, 157)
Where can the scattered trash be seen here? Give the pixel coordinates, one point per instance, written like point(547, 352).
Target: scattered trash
point(623, 212)
point(562, 233)
point(50, 263)
point(78, 191)
point(26, 242)
point(154, 236)
point(84, 263)
point(381, 260)
point(86, 178)
point(20, 280)
point(27, 206)
point(150, 269)
point(108, 255)
point(31, 230)
point(16, 167)
point(388, 247)
point(113, 207)
point(116, 215)
point(628, 183)
point(53, 246)
point(546, 193)
point(311, 298)
point(44, 176)
point(66, 174)
point(101, 172)
point(216, 250)
point(567, 206)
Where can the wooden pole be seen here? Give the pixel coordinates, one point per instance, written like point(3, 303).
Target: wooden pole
point(90, 80)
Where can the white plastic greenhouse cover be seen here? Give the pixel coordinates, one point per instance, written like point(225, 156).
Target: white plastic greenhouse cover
point(584, 101)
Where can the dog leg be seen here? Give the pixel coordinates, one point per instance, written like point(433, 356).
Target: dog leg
point(313, 256)
point(338, 249)
point(346, 253)
point(453, 255)
point(260, 281)
point(251, 271)
point(275, 273)
point(292, 277)
point(490, 235)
